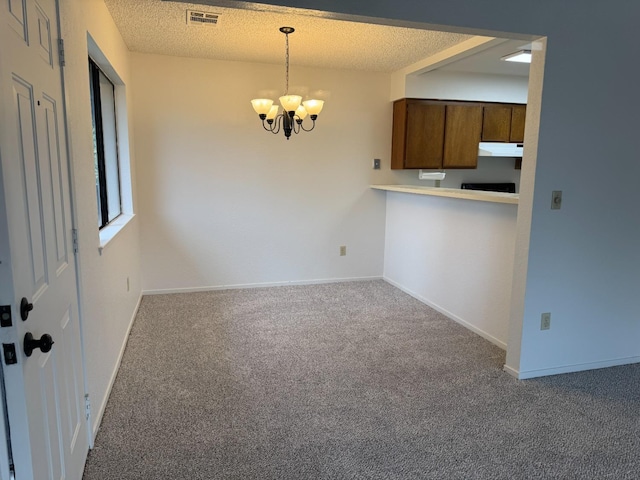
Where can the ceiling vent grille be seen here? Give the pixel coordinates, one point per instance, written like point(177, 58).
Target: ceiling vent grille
point(202, 18)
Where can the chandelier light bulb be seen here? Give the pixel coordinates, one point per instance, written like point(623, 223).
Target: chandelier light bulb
point(290, 103)
point(301, 112)
point(313, 107)
point(273, 112)
point(262, 105)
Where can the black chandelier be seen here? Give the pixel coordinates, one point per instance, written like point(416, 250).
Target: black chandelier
point(294, 109)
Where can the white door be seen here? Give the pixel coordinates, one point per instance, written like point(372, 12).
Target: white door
point(45, 391)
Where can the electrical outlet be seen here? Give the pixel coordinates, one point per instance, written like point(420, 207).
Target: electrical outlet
point(343, 250)
point(545, 321)
point(376, 164)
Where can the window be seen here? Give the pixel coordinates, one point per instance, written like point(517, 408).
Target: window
point(105, 146)
point(112, 151)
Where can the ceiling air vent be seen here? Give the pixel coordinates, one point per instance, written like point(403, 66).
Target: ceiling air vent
point(202, 18)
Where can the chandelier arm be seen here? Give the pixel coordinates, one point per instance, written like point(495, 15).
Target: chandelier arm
point(277, 125)
point(308, 129)
point(267, 126)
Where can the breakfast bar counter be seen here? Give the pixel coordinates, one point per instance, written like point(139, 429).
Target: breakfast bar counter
point(477, 195)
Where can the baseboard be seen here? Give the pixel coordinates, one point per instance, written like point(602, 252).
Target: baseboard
point(577, 367)
point(455, 318)
point(511, 371)
point(97, 420)
point(256, 285)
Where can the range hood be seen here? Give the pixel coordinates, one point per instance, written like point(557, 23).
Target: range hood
point(494, 149)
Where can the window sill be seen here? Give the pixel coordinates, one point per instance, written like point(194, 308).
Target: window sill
point(109, 232)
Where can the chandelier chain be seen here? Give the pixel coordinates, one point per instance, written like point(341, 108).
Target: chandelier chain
point(286, 89)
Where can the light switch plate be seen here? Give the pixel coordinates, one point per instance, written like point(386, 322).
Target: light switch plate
point(556, 199)
point(545, 321)
point(376, 164)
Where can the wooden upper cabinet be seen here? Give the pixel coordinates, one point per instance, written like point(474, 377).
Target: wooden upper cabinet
point(518, 114)
point(399, 135)
point(433, 134)
point(418, 134)
point(503, 123)
point(496, 123)
point(462, 135)
point(425, 136)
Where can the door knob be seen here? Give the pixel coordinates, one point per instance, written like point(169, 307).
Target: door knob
point(30, 344)
point(25, 308)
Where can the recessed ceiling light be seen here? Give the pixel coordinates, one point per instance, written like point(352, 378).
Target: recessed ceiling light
point(521, 56)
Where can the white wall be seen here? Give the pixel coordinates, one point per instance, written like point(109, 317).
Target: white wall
point(107, 307)
point(224, 203)
point(455, 255)
point(583, 260)
point(467, 86)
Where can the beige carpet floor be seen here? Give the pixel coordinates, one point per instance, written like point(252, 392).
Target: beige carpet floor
point(347, 381)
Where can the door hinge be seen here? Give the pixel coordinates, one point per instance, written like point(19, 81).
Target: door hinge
point(87, 406)
point(74, 236)
point(61, 52)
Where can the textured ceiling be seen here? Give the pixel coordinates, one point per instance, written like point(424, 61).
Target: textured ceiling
point(155, 26)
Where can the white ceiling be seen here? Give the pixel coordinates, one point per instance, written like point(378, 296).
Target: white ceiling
point(160, 27)
point(488, 61)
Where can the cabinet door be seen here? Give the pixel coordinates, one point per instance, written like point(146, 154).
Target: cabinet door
point(462, 136)
point(496, 123)
point(399, 134)
point(425, 136)
point(517, 123)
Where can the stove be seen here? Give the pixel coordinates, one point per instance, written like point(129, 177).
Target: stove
point(490, 187)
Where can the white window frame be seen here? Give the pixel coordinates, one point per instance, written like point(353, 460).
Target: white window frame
point(109, 232)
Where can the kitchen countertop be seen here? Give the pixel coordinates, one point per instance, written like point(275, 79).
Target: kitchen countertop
point(477, 195)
